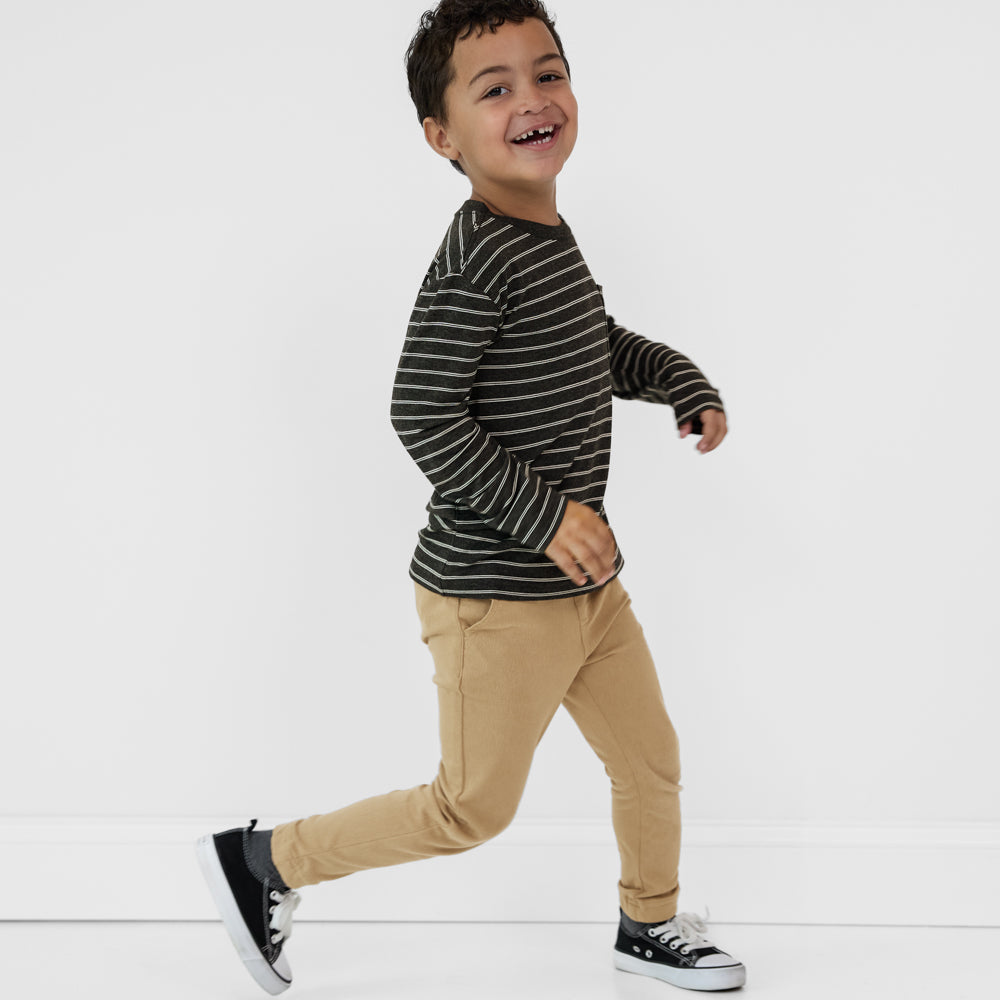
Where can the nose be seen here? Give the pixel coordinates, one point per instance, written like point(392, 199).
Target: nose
point(533, 100)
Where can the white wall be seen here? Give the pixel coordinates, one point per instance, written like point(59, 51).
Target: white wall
point(214, 217)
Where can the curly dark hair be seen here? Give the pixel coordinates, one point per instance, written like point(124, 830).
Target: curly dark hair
point(428, 59)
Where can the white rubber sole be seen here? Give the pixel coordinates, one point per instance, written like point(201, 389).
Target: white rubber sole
point(273, 979)
point(725, 977)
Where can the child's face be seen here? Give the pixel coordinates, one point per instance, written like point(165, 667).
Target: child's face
point(507, 83)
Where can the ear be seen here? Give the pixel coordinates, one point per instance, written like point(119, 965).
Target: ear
point(438, 139)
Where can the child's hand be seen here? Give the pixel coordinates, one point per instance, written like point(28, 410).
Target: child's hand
point(713, 424)
point(583, 546)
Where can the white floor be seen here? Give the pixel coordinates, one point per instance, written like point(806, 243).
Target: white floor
point(334, 961)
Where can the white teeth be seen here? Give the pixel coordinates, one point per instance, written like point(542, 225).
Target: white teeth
point(547, 130)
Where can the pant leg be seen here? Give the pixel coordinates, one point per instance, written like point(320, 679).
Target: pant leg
point(502, 669)
point(617, 703)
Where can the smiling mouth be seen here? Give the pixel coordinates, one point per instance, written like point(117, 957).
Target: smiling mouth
point(538, 137)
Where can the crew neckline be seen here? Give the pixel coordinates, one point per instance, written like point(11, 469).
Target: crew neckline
point(562, 231)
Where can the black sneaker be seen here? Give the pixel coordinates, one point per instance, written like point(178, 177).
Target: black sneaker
point(257, 912)
point(678, 953)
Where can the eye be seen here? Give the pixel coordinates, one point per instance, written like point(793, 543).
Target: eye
point(496, 91)
point(549, 77)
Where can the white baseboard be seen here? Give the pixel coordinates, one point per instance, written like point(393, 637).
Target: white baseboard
point(144, 869)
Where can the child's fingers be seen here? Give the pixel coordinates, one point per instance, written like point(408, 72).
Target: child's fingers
point(709, 441)
point(580, 561)
point(583, 546)
point(597, 561)
point(713, 430)
point(564, 559)
point(563, 556)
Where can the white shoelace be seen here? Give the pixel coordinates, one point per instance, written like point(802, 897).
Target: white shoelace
point(687, 931)
point(281, 914)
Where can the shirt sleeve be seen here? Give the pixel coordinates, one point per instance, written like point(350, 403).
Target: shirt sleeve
point(450, 329)
point(643, 369)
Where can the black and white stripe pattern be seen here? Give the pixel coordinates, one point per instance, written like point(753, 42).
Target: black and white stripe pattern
point(503, 398)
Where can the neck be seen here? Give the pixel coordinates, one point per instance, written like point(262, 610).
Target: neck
point(535, 206)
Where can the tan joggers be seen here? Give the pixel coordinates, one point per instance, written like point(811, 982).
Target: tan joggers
point(502, 669)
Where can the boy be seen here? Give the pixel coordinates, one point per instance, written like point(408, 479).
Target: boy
point(503, 398)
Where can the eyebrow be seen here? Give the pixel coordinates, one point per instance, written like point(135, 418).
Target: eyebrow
point(507, 69)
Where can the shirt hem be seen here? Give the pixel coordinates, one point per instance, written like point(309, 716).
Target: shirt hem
point(508, 595)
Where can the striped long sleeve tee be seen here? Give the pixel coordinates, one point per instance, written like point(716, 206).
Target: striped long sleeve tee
point(503, 398)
